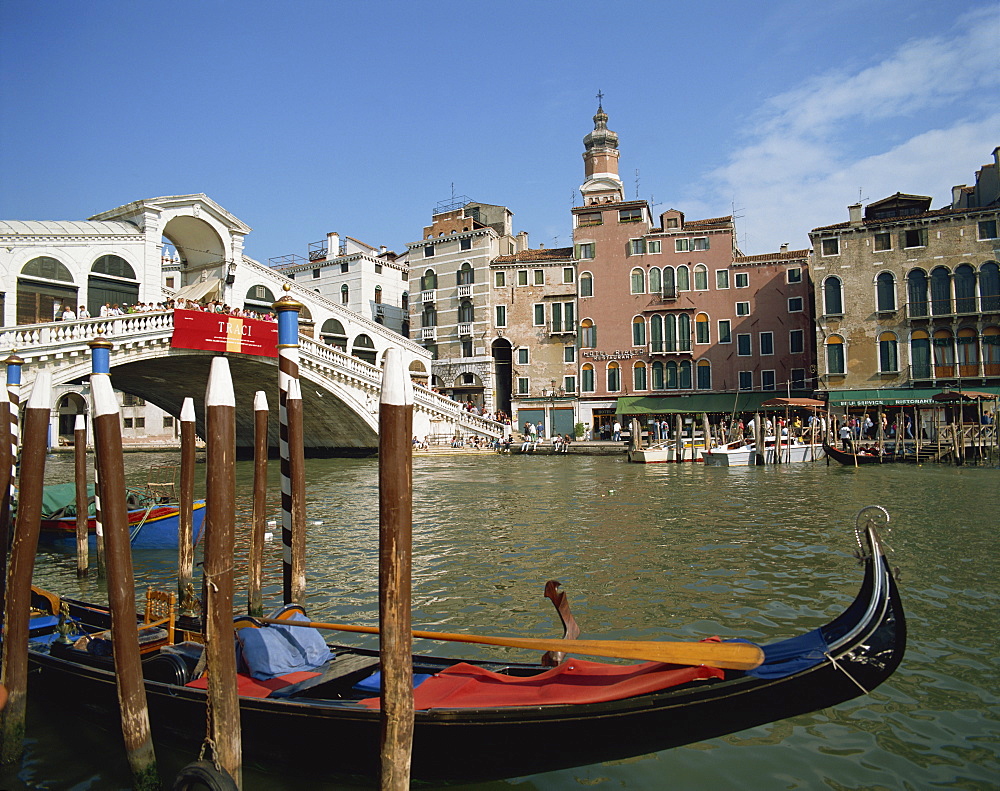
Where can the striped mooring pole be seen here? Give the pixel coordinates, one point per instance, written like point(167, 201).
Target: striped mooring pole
point(293, 523)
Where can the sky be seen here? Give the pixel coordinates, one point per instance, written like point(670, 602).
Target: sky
point(302, 118)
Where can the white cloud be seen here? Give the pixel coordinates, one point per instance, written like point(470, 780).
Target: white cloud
point(800, 165)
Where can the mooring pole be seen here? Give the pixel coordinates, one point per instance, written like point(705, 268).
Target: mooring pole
point(293, 522)
point(220, 529)
point(100, 365)
point(395, 561)
point(17, 613)
point(185, 504)
point(121, 585)
point(82, 508)
point(255, 569)
point(7, 454)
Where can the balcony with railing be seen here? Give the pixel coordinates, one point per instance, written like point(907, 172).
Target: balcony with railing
point(465, 290)
point(670, 347)
point(465, 329)
point(428, 295)
point(947, 308)
point(428, 333)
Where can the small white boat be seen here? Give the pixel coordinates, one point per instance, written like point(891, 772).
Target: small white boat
point(745, 454)
point(665, 452)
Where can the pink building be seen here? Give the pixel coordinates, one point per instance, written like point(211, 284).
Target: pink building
point(669, 308)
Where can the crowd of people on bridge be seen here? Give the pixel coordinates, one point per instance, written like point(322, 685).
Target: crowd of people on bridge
point(109, 310)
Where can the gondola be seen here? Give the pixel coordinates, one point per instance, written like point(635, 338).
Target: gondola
point(480, 721)
point(849, 459)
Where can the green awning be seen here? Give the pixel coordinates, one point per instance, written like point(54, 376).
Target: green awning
point(903, 396)
point(691, 404)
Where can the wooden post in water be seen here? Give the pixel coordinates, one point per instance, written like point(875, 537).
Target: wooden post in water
point(185, 504)
point(255, 570)
point(296, 457)
point(678, 438)
point(777, 441)
point(17, 611)
point(760, 435)
point(220, 529)
point(395, 477)
point(7, 454)
point(100, 365)
point(82, 508)
point(293, 523)
point(121, 585)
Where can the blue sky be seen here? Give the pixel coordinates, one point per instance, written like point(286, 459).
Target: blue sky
point(307, 117)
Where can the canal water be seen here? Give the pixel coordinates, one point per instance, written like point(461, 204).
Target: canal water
point(643, 552)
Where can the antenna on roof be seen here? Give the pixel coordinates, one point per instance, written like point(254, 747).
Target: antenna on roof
point(637, 183)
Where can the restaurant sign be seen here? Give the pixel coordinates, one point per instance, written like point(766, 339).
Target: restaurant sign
point(216, 332)
point(618, 355)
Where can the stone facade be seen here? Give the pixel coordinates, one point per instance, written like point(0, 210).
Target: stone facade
point(908, 297)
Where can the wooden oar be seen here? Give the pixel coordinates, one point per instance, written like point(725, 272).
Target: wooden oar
point(732, 656)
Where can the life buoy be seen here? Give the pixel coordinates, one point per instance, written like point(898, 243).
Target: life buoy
point(204, 775)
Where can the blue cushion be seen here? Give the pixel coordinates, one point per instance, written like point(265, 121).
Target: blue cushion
point(306, 639)
point(268, 653)
point(373, 683)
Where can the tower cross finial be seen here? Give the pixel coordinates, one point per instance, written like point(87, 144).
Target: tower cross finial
point(600, 98)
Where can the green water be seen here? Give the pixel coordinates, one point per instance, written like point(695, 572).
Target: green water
point(646, 552)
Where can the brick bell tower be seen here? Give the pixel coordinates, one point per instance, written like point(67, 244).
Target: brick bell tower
point(600, 158)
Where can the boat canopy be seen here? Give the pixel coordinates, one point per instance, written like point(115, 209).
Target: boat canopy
point(805, 403)
point(59, 500)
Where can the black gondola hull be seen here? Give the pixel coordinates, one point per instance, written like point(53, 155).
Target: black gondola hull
point(320, 738)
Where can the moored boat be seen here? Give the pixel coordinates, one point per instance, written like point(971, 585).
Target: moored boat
point(849, 459)
point(478, 721)
point(663, 452)
point(746, 454)
point(153, 525)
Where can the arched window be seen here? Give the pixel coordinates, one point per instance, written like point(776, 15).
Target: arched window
point(835, 362)
point(364, 349)
point(669, 283)
point(671, 375)
point(639, 376)
point(657, 375)
point(47, 268)
point(378, 295)
point(916, 292)
point(833, 297)
point(614, 378)
point(991, 352)
point(888, 353)
point(701, 334)
point(701, 278)
point(967, 342)
point(944, 354)
point(965, 289)
point(429, 280)
point(638, 331)
point(704, 375)
point(429, 317)
point(683, 278)
point(638, 281)
point(586, 285)
point(404, 301)
point(113, 265)
point(885, 292)
point(466, 276)
point(654, 280)
point(588, 334)
point(940, 291)
point(684, 332)
point(684, 375)
point(989, 287)
point(587, 377)
point(345, 294)
point(670, 333)
point(332, 333)
point(466, 312)
point(920, 355)
point(656, 333)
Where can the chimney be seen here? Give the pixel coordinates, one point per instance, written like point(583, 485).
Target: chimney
point(855, 211)
point(332, 244)
point(522, 241)
point(784, 247)
point(956, 196)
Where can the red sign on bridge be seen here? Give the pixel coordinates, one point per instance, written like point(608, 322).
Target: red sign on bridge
point(217, 332)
